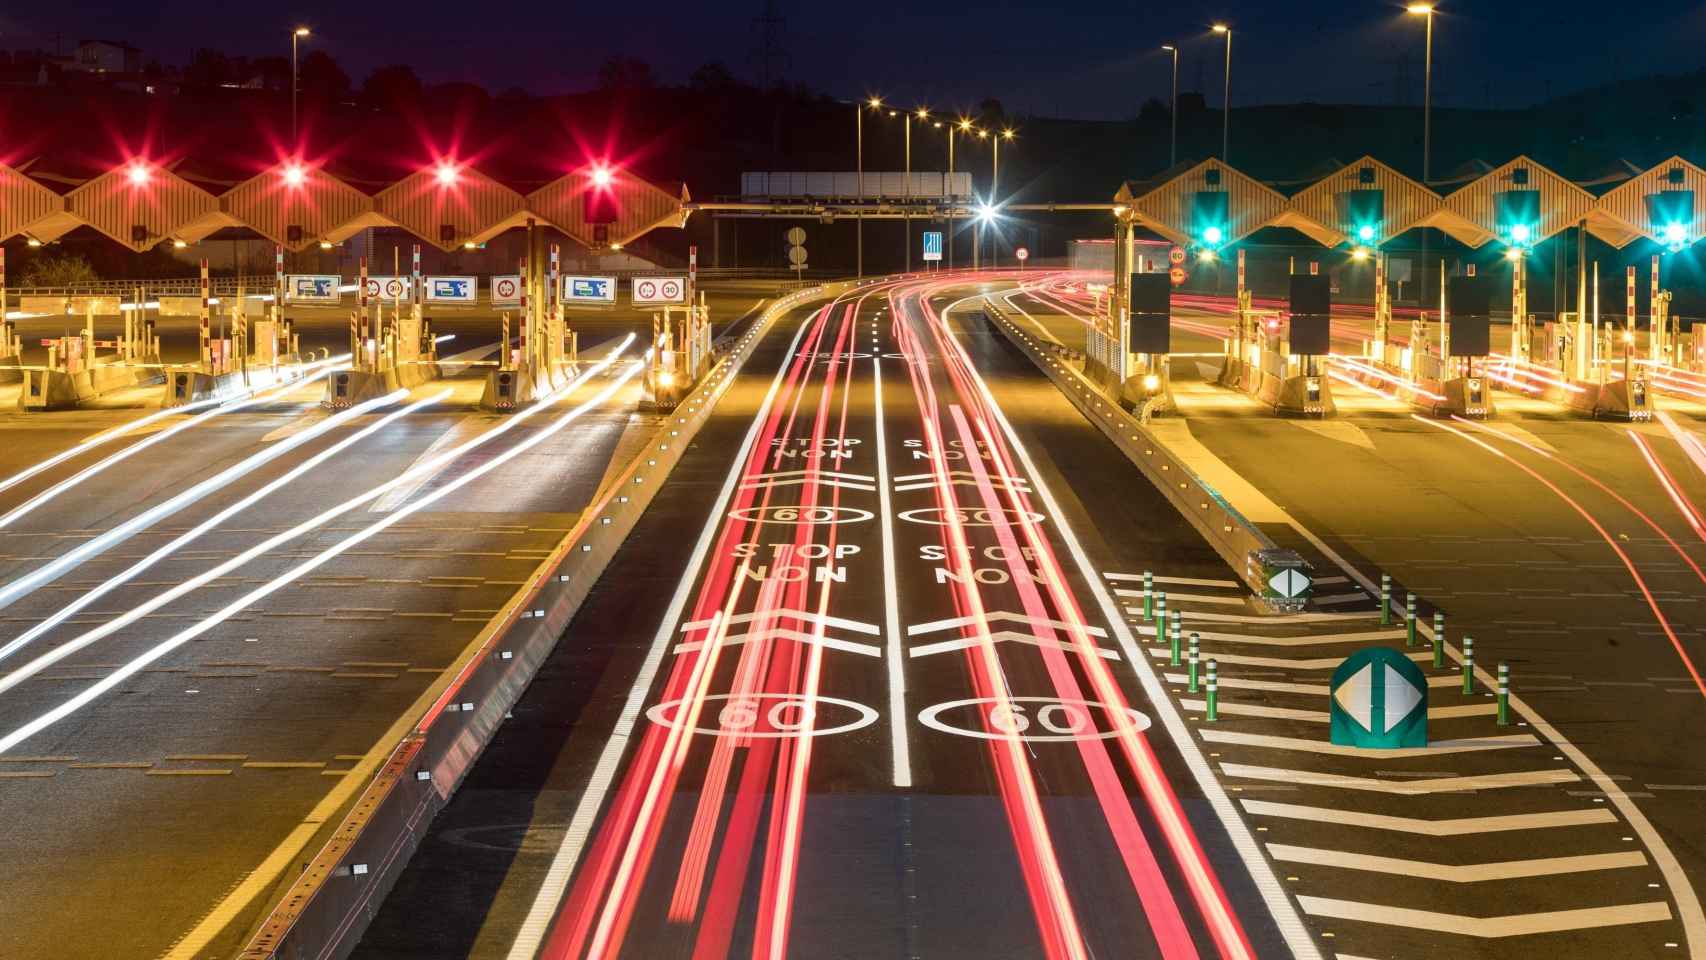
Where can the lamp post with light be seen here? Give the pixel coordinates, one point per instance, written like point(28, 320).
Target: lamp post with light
point(295, 38)
point(1426, 10)
point(1226, 97)
point(1173, 105)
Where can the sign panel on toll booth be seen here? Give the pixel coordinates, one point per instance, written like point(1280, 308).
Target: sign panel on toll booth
point(452, 289)
point(660, 290)
point(589, 289)
point(312, 288)
point(506, 290)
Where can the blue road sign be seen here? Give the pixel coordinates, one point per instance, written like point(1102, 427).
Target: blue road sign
point(589, 289)
point(313, 288)
point(451, 289)
point(932, 245)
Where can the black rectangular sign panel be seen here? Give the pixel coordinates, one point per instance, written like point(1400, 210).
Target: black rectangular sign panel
point(1151, 293)
point(1471, 336)
point(1311, 295)
point(1311, 335)
point(1469, 297)
point(1151, 333)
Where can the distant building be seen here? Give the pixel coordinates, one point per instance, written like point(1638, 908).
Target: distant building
point(108, 56)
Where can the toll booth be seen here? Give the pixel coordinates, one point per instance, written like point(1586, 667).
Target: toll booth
point(1148, 381)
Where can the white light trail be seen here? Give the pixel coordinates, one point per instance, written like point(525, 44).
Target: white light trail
point(318, 369)
point(131, 616)
point(265, 491)
point(94, 440)
point(135, 665)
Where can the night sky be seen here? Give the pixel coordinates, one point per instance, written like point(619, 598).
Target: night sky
point(1090, 60)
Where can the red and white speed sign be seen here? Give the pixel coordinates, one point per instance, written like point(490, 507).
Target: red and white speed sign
point(1022, 253)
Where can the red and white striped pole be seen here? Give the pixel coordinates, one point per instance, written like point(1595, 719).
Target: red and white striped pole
point(361, 312)
point(521, 350)
point(1240, 271)
point(554, 302)
point(205, 334)
point(1655, 334)
point(5, 322)
point(1629, 285)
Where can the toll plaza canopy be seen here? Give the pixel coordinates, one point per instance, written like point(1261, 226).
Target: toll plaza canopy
point(1367, 202)
point(147, 182)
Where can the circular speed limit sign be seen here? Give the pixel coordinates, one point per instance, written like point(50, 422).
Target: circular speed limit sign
point(506, 289)
point(1022, 253)
point(1176, 275)
point(672, 289)
point(1176, 255)
point(646, 289)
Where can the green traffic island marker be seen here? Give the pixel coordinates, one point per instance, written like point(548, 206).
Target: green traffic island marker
point(1378, 699)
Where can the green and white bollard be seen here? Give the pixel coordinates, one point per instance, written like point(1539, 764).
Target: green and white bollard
point(1410, 619)
point(1385, 599)
point(1504, 694)
point(1439, 639)
point(1191, 679)
point(1468, 664)
point(1213, 694)
point(1175, 630)
point(1173, 649)
point(1160, 611)
point(1148, 595)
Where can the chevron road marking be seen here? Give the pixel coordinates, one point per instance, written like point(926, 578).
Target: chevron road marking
point(847, 646)
point(1269, 621)
point(804, 616)
point(1436, 748)
point(964, 643)
point(1308, 689)
point(1490, 781)
point(937, 626)
point(1320, 716)
point(1516, 925)
point(1193, 597)
point(1364, 636)
point(1472, 873)
point(1281, 663)
point(1457, 827)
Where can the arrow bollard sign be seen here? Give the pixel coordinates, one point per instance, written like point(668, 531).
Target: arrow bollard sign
point(1378, 699)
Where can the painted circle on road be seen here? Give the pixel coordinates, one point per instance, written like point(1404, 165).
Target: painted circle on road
point(770, 716)
point(1031, 719)
point(937, 517)
point(795, 515)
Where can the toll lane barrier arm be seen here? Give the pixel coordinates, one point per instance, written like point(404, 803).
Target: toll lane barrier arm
point(1233, 536)
point(323, 912)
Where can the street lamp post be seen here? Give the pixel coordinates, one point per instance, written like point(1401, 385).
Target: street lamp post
point(923, 114)
point(875, 103)
point(295, 38)
point(1226, 98)
point(1173, 106)
point(1426, 10)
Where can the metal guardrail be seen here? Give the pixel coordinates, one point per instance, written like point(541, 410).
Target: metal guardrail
point(325, 910)
point(1232, 535)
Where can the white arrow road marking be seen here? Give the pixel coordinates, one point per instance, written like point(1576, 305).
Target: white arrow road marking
point(847, 646)
point(1187, 581)
point(795, 478)
point(963, 643)
point(936, 626)
point(804, 616)
point(1283, 663)
point(1436, 748)
point(1516, 925)
point(1320, 716)
point(1490, 781)
point(1473, 873)
point(1458, 827)
point(1364, 636)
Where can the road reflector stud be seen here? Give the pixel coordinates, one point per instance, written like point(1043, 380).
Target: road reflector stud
point(423, 775)
point(1378, 699)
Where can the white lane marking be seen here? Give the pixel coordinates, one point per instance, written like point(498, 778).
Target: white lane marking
point(1307, 689)
point(900, 747)
point(804, 616)
point(966, 643)
point(1281, 663)
point(1183, 581)
point(1516, 925)
point(1434, 747)
point(1339, 598)
point(1454, 827)
point(1362, 636)
point(1278, 901)
point(994, 616)
point(1471, 873)
point(125, 453)
point(531, 933)
point(466, 427)
point(1687, 901)
point(1320, 716)
point(998, 484)
point(178, 501)
point(843, 474)
point(827, 480)
point(735, 640)
point(1192, 597)
point(1269, 620)
point(1405, 788)
point(93, 692)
